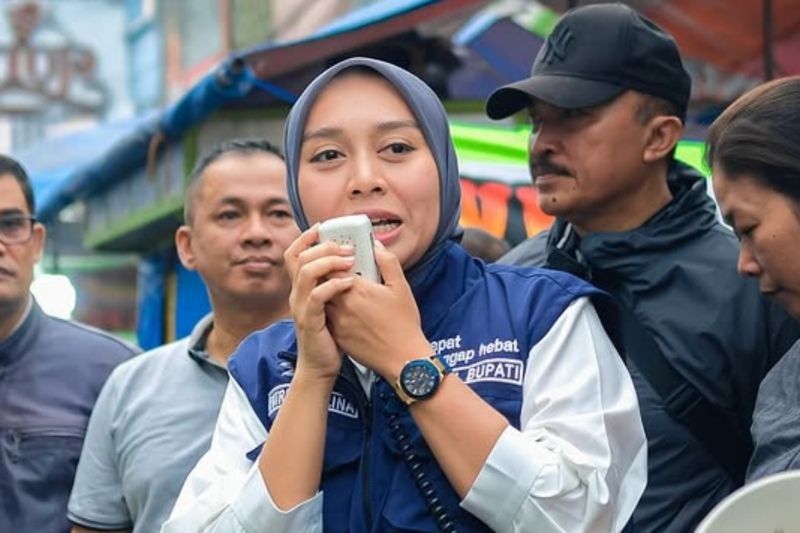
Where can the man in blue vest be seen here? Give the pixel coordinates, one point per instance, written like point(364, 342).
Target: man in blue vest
point(51, 372)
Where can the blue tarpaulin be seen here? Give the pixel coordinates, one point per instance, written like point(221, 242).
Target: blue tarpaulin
point(50, 162)
point(151, 300)
point(230, 81)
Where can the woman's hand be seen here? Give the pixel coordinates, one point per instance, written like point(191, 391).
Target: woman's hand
point(379, 325)
point(318, 273)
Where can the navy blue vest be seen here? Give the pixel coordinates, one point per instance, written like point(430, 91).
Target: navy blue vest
point(482, 319)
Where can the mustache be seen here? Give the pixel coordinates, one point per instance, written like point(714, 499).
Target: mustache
point(544, 165)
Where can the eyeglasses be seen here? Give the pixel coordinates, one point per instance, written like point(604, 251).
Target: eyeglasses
point(16, 229)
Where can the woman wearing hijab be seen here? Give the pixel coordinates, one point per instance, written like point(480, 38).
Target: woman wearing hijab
point(454, 396)
point(753, 151)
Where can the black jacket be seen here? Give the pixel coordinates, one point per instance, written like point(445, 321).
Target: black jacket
point(677, 274)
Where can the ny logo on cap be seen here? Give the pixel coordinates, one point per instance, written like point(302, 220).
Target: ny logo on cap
point(556, 44)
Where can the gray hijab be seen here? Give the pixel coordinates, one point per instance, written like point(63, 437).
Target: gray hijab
point(432, 120)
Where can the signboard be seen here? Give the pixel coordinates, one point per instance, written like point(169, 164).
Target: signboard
point(36, 74)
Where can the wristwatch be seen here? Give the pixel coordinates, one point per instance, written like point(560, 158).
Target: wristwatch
point(420, 378)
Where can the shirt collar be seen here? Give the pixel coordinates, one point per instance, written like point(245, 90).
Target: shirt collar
point(23, 336)
point(198, 340)
point(23, 318)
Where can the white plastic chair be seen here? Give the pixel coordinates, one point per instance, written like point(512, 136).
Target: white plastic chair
point(769, 505)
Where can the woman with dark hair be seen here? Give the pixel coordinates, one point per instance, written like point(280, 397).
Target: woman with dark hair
point(754, 151)
point(455, 395)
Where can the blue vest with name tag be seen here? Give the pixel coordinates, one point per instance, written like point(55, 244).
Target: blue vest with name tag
point(482, 319)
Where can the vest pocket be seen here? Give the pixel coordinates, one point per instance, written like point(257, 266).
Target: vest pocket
point(343, 446)
point(405, 509)
point(507, 401)
point(343, 449)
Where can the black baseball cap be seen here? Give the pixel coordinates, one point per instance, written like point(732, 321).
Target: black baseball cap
point(594, 54)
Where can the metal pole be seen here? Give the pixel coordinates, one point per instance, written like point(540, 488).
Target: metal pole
point(769, 60)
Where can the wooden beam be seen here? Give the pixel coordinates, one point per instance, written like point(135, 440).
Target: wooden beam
point(272, 62)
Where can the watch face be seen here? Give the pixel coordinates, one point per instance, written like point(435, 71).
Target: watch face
point(419, 378)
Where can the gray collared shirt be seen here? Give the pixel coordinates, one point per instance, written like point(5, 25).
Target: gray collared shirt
point(152, 423)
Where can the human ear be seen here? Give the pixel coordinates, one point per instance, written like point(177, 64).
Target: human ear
point(183, 244)
point(38, 238)
point(663, 135)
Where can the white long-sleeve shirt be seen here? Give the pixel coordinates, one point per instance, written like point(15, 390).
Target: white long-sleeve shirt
point(578, 463)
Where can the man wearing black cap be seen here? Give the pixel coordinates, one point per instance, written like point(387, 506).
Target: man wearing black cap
point(607, 97)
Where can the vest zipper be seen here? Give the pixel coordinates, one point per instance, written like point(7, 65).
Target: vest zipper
point(364, 405)
point(365, 462)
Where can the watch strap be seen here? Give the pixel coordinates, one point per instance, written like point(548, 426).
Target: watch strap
point(441, 364)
